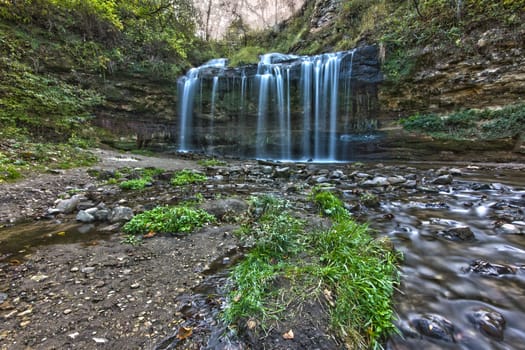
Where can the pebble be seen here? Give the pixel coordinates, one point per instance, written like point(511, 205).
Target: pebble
point(3, 297)
point(67, 311)
point(100, 340)
point(134, 286)
point(88, 269)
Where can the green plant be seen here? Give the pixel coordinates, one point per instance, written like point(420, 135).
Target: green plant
point(186, 177)
point(165, 219)
point(136, 184)
point(330, 205)
point(362, 274)
point(287, 265)
point(211, 162)
point(132, 239)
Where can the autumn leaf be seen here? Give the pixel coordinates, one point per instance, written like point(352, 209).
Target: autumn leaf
point(288, 335)
point(184, 332)
point(150, 234)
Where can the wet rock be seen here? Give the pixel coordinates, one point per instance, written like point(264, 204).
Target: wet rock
point(434, 326)
point(336, 174)
point(490, 322)
point(509, 229)
point(377, 181)
point(410, 184)
point(396, 180)
point(102, 215)
point(120, 214)
point(462, 233)
point(322, 179)
point(223, 207)
point(85, 204)
point(282, 172)
point(443, 180)
point(484, 267)
point(481, 187)
point(85, 217)
point(67, 206)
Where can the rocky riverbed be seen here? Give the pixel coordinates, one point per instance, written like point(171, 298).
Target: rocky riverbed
point(68, 281)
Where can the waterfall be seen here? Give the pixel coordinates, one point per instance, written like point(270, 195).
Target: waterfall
point(288, 107)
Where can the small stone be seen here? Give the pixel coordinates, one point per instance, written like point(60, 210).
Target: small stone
point(134, 286)
point(377, 181)
point(74, 269)
point(396, 180)
point(24, 323)
point(443, 180)
point(88, 269)
point(462, 233)
point(24, 313)
point(67, 311)
point(83, 216)
point(509, 229)
point(490, 322)
point(39, 277)
point(100, 340)
point(3, 297)
point(434, 326)
point(119, 214)
point(73, 335)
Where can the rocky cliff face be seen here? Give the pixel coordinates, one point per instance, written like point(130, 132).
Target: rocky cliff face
point(486, 70)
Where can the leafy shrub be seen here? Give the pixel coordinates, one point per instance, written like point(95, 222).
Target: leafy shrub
point(186, 177)
point(428, 122)
point(330, 205)
point(165, 219)
point(136, 184)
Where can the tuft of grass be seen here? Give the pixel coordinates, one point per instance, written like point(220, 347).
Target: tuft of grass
point(330, 205)
point(345, 262)
point(166, 219)
point(211, 162)
point(136, 184)
point(186, 177)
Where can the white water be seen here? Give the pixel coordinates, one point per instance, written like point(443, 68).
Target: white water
point(316, 135)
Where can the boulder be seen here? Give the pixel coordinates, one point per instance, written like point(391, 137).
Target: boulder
point(121, 214)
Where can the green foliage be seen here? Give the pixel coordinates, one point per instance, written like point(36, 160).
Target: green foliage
point(330, 205)
point(132, 240)
point(165, 219)
point(287, 264)
point(187, 177)
point(246, 55)
point(42, 106)
point(211, 162)
point(362, 273)
point(467, 124)
point(136, 184)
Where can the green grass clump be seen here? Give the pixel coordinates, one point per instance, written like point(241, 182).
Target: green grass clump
point(136, 184)
point(361, 272)
point(211, 162)
point(186, 177)
point(330, 205)
point(287, 265)
point(165, 219)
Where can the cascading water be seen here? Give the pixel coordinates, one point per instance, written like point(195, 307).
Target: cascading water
point(187, 87)
point(288, 107)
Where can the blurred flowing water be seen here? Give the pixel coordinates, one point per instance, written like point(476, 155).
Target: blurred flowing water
point(436, 279)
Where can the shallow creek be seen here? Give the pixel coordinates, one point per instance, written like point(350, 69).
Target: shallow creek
point(444, 294)
point(463, 273)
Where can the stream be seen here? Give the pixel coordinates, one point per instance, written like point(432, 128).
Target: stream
point(463, 274)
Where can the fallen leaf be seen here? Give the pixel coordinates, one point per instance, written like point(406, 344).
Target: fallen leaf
point(288, 335)
point(251, 324)
point(328, 296)
point(184, 332)
point(61, 233)
point(150, 234)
